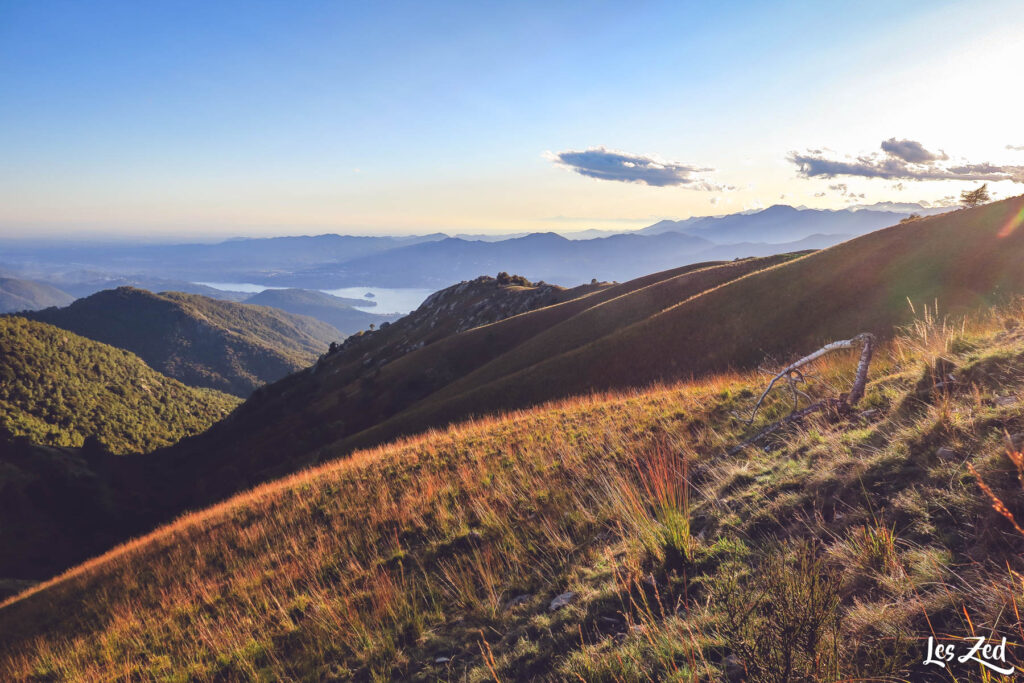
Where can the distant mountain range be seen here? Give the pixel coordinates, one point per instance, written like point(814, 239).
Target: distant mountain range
point(437, 260)
point(203, 342)
point(778, 224)
point(83, 284)
point(541, 256)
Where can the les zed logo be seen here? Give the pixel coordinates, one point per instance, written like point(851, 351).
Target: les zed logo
point(983, 653)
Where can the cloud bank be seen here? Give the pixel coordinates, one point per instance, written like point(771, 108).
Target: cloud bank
point(910, 151)
point(901, 160)
point(606, 164)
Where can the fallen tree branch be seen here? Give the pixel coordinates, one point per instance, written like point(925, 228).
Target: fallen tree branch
point(866, 338)
point(860, 382)
point(792, 373)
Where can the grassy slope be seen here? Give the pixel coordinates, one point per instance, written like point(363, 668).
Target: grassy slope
point(201, 341)
point(402, 562)
point(58, 388)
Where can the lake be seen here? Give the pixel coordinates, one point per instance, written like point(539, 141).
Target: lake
point(388, 299)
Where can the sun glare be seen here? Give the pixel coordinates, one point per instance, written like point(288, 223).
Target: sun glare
point(1012, 224)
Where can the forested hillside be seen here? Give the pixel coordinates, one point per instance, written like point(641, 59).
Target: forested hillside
point(58, 388)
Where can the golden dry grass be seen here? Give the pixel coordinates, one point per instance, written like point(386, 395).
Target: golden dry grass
point(401, 561)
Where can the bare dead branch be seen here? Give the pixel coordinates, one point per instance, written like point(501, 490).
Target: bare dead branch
point(864, 338)
point(860, 382)
point(793, 376)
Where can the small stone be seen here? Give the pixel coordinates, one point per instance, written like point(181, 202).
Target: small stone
point(1005, 400)
point(870, 414)
point(947, 453)
point(733, 668)
point(561, 601)
point(518, 600)
point(442, 660)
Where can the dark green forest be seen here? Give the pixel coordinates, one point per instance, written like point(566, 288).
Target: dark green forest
point(58, 388)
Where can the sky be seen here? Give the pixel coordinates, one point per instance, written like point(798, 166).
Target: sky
point(205, 119)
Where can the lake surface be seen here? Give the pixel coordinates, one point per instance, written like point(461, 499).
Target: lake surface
point(388, 299)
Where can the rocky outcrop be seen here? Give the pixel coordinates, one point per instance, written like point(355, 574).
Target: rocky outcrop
point(461, 307)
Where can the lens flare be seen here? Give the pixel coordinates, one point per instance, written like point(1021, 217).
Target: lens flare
point(1012, 224)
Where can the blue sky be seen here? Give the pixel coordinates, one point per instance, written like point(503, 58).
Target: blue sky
point(211, 119)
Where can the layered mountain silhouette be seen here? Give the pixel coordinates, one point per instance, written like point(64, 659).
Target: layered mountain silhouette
point(619, 257)
point(437, 260)
point(780, 223)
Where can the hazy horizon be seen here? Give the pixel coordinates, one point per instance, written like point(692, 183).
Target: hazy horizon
point(114, 239)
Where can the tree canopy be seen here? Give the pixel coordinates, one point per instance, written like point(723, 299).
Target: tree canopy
point(972, 198)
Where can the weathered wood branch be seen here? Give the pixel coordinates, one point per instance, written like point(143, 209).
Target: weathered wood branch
point(866, 338)
point(860, 381)
point(792, 373)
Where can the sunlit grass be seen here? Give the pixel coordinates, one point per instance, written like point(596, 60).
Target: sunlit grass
point(438, 556)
